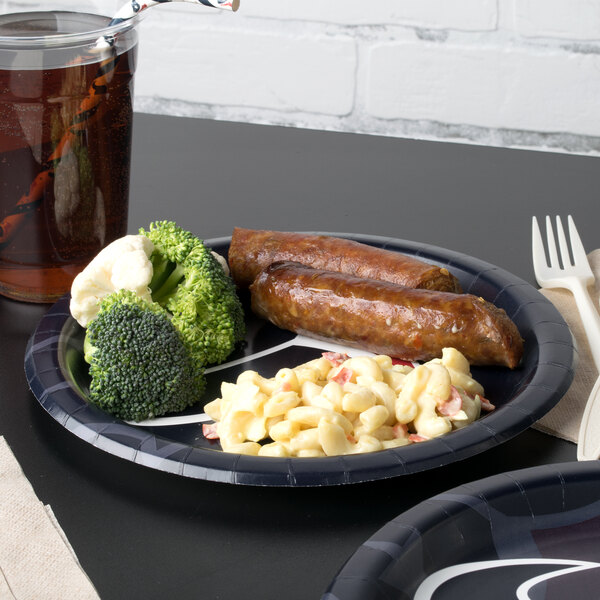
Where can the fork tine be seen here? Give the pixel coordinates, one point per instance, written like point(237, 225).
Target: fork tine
point(537, 247)
point(552, 254)
point(579, 254)
point(562, 242)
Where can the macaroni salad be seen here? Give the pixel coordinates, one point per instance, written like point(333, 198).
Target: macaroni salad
point(340, 405)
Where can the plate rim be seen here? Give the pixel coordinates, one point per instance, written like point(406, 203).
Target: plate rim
point(53, 392)
point(439, 508)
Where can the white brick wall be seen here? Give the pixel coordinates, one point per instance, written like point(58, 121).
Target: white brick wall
point(526, 89)
point(516, 73)
point(262, 69)
point(560, 19)
point(474, 15)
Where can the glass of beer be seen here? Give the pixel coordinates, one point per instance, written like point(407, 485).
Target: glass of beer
point(66, 94)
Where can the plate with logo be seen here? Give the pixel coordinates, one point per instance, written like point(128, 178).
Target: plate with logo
point(532, 534)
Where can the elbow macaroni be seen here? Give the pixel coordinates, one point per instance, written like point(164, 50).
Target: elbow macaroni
point(339, 405)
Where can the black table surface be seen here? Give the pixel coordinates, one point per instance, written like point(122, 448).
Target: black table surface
point(141, 533)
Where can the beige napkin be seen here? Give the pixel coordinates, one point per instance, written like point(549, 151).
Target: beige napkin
point(36, 560)
point(564, 419)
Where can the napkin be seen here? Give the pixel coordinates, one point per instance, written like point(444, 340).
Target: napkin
point(564, 419)
point(36, 560)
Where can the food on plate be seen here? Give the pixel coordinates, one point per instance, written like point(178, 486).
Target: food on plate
point(123, 264)
point(251, 251)
point(140, 365)
point(384, 318)
point(171, 266)
point(191, 284)
point(337, 405)
point(169, 269)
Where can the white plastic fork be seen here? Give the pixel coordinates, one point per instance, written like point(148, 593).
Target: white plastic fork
point(562, 272)
point(576, 276)
point(588, 439)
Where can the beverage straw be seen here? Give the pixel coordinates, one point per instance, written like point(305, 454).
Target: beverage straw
point(87, 110)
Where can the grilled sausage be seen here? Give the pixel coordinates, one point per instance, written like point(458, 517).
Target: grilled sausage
point(383, 317)
point(253, 250)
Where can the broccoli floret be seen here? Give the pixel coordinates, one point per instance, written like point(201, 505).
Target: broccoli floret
point(190, 283)
point(140, 365)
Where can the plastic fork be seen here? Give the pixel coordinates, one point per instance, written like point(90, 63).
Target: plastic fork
point(562, 272)
point(575, 275)
point(588, 439)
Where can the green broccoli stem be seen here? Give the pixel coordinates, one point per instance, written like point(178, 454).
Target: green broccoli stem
point(166, 277)
point(88, 348)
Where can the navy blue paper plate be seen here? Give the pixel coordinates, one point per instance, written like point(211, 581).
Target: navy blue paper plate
point(57, 376)
point(530, 534)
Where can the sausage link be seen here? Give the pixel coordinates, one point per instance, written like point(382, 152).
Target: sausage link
point(383, 317)
point(251, 251)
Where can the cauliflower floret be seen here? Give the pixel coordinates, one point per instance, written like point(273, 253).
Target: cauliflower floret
point(123, 264)
point(221, 260)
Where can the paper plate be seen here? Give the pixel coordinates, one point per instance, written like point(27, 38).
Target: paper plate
point(532, 534)
point(58, 378)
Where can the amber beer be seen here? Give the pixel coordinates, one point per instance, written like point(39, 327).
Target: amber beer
point(47, 239)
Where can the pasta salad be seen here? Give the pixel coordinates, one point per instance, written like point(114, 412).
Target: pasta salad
point(336, 405)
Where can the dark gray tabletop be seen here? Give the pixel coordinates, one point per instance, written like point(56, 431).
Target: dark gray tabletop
point(141, 533)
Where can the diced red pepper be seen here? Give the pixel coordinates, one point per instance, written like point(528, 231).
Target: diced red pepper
point(452, 405)
point(209, 431)
point(343, 376)
point(400, 430)
point(401, 361)
point(486, 405)
point(335, 358)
